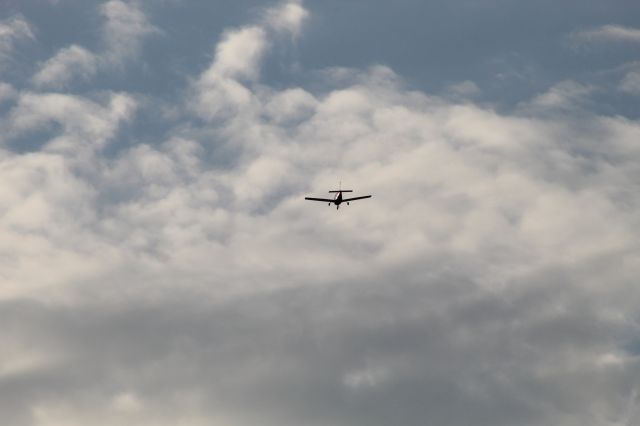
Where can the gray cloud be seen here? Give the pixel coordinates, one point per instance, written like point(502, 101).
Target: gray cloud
point(631, 81)
point(490, 280)
point(7, 92)
point(350, 353)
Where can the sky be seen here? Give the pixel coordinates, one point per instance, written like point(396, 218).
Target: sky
point(159, 264)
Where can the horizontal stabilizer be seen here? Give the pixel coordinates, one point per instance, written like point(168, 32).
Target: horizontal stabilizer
point(341, 190)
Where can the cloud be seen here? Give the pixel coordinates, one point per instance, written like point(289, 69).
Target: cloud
point(631, 81)
point(84, 123)
point(239, 54)
point(288, 16)
point(125, 27)
point(464, 89)
point(124, 30)
point(221, 89)
point(71, 63)
point(225, 87)
point(609, 33)
point(489, 281)
point(13, 30)
point(7, 92)
point(563, 95)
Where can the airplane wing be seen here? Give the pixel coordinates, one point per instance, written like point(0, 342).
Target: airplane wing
point(356, 198)
point(326, 200)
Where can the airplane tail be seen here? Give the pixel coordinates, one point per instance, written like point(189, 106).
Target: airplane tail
point(339, 190)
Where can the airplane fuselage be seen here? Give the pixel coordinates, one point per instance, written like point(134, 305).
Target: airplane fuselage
point(338, 199)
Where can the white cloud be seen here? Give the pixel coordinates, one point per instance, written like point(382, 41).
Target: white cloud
point(220, 90)
point(124, 31)
point(238, 55)
point(290, 105)
point(85, 124)
point(224, 88)
point(71, 63)
point(610, 33)
point(445, 158)
point(43, 203)
point(565, 95)
point(12, 31)
point(288, 16)
point(125, 27)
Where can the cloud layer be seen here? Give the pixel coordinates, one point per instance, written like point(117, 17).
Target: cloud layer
point(184, 280)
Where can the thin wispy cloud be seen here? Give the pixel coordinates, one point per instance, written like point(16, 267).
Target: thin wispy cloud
point(13, 30)
point(69, 64)
point(563, 95)
point(631, 81)
point(609, 33)
point(125, 27)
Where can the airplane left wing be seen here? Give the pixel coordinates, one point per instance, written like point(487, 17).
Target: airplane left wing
point(326, 200)
point(356, 198)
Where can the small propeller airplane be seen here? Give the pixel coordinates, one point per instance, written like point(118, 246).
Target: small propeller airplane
point(337, 200)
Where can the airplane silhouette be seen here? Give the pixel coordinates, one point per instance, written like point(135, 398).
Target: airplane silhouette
point(337, 200)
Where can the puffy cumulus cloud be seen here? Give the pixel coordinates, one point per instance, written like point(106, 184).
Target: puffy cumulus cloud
point(226, 86)
point(125, 28)
point(43, 207)
point(221, 90)
point(12, 31)
point(239, 54)
point(46, 203)
point(490, 279)
point(609, 33)
point(85, 124)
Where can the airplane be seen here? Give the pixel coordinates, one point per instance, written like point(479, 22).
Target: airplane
point(337, 200)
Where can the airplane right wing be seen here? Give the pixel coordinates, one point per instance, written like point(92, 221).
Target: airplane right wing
point(356, 198)
point(326, 200)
